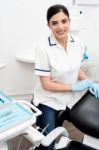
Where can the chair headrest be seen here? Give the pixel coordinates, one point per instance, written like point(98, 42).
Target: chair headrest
point(85, 115)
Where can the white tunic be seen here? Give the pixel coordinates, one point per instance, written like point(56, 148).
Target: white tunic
point(63, 67)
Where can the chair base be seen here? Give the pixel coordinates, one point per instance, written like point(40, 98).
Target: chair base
point(74, 145)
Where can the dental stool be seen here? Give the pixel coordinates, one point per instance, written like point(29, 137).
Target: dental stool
point(85, 116)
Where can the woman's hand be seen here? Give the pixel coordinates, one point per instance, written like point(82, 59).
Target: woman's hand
point(94, 89)
point(82, 85)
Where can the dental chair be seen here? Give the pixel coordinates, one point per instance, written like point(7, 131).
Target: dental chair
point(84, 115)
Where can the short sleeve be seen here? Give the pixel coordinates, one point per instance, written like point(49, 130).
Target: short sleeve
point(42, 66)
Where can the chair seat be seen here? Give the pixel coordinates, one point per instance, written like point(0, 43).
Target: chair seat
point(74, 145)
point(85, 115)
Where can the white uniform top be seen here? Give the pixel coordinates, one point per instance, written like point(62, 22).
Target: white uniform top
point(63, 67)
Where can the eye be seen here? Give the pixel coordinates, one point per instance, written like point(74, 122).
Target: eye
point(54, 23)
point(65, 21)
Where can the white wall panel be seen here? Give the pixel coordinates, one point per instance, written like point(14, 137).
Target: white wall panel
point(22, 26)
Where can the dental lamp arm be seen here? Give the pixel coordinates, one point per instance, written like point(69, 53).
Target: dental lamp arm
point(53, 135)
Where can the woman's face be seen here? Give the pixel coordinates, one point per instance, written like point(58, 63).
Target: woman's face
point(59, 24)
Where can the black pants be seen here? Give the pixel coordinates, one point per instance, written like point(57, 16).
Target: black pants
point(62, 116)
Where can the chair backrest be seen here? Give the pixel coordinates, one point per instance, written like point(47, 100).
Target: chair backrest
point(85, 115)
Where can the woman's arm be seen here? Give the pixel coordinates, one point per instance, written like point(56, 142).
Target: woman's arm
point(82, 75)
point(50, 85)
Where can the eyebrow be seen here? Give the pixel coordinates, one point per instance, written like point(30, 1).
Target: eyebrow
point(61, 20)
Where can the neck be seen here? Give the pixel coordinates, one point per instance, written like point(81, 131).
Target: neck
point(63, 42)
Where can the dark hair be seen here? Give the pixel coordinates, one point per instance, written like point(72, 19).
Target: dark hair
point(56, 9)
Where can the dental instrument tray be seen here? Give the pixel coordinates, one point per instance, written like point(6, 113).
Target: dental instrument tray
point(12, 113)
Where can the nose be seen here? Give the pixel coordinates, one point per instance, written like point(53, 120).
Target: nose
point(60, 25)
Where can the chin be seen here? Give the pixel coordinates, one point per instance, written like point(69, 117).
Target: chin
point(61, 36)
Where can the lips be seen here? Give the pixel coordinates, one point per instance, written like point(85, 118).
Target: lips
point(60, 32)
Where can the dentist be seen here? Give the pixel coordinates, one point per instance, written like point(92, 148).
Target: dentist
point(57, 67)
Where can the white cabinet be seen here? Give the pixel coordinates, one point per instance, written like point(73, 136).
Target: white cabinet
point(75, 18)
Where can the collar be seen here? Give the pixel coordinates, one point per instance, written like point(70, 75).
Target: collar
point(53, 42)
point(71, 39)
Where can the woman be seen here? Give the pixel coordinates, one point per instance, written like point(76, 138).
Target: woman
point(57, 66)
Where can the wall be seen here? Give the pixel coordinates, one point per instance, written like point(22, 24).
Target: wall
point(22, 26)
point(90, 36)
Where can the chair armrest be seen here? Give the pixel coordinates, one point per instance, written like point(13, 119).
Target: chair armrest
point(36, 111)
point(53, 135)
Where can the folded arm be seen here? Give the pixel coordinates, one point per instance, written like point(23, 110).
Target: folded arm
point(82, 75)
point(50, 85)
